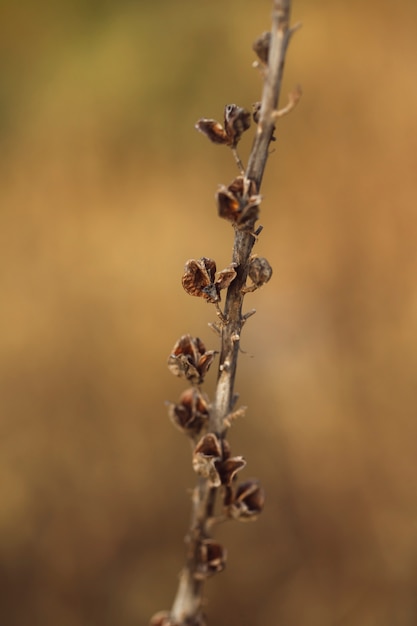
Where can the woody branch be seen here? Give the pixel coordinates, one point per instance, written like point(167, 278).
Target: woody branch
point(207, 423)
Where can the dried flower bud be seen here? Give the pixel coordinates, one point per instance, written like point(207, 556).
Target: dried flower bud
point(261, 47)
point(259, 271)
point(191, 413)
point(206, 456)
point(190, 359)
point(249, 501)
point(239, 203)
point(199, 279)
point(211, 559)
point(236, 122)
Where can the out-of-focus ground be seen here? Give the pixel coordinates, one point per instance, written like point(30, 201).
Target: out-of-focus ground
point(105, 190)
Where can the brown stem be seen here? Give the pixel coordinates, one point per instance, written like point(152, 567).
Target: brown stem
point(187, 609)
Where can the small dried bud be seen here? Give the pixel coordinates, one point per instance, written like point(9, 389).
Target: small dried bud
point(190, 359)
point(256, 114)
point(236, 122)
point(212, 559)
point(191, 413)
point(259, 271)
point(239, 203)
point(256, 110)
point(199, 279)
point(206, 456)
point(249, 501)
point(261, 47)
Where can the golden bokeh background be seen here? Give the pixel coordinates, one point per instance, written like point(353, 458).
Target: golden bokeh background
point(105, 190)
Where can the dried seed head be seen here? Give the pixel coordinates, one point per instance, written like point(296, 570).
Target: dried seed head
point(261, 47)
point(259, 271)
point(191, 413)
point(236, 122)
point(211, 559)
point(199, 279)
point(249, 501)
point(239, 203)
point(206, 456)
point(190, 359)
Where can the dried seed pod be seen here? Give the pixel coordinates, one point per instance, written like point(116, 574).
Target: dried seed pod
point(199, 279)
point(226, 276)
point(239, 203)
point(261, 46)
point(206, 456)
point(236, 122)
point(191, 413)
point(229, 468)
point(211, 559)
point(213, 130)
point(249, 501)
point(190, 359)
point(259, 271)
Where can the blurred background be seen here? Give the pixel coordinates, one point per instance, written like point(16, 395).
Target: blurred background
point(106, 190)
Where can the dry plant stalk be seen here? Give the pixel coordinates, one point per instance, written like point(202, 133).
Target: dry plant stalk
point(204, 422)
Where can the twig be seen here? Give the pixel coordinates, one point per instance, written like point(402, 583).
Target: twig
point(211, 454)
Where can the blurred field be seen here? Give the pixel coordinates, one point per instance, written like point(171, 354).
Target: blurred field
point(105, 191)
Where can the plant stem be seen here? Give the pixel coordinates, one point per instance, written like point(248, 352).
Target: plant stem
point(188, 604)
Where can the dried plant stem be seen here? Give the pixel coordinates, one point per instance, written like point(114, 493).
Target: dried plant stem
point(188, 606)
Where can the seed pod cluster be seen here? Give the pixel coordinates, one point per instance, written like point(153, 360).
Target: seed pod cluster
point(203, 422)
